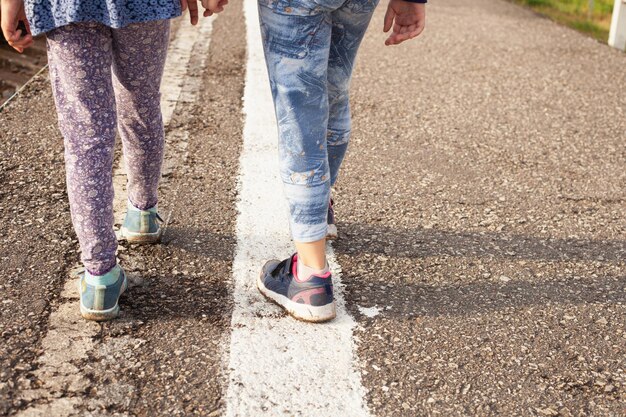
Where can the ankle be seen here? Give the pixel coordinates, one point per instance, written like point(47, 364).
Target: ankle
point(108, 278)
point(305, 272)
point(312, 254)
point(132, 207)
point(317, 261)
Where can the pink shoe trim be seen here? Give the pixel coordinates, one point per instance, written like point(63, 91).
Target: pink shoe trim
point(305, 296)
point(294, 271)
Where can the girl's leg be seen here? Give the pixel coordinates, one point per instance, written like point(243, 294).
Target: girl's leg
point(80, 71)
point(139, 52)
point(297, 39)
point(297, 42)
point(349, 25)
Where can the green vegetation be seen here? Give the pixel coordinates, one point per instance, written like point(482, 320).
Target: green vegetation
point(575, 14)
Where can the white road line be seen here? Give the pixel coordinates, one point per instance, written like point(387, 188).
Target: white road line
point(71, 339)
point(278, 365)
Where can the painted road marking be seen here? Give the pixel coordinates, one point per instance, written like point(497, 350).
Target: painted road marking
point(71, 339)
point(278, 365)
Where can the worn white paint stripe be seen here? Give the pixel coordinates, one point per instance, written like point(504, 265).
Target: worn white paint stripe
point(71, 339)
point(178, 55)
point(278, 365)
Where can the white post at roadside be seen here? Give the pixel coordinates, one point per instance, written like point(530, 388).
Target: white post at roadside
point(617, 35)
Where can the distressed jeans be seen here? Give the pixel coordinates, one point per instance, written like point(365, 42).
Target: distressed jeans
point(310, 48)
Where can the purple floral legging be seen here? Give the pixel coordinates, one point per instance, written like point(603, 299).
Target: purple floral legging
point(104, 79)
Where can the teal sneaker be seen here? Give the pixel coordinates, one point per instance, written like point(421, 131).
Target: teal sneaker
point(141, 226)
point(99, 295)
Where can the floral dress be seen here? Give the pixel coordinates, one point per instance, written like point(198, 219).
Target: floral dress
point(45, 15)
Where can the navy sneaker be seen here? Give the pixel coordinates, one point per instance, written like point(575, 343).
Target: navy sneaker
point(331, 232)
point(311, 300)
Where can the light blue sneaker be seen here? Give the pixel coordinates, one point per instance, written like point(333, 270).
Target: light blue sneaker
point(141, 226)
point(99, 295)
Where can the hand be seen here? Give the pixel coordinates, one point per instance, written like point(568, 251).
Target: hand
point(12, 12)
point(192, 5)
point(408, 20)
point(213, 6)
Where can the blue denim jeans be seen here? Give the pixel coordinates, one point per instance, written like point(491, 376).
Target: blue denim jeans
point(310, 48)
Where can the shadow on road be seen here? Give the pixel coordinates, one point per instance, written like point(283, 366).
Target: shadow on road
point(182, 279)
point(465, 274)
point(414, 243)
point(189, 295)
point(205, 242)
point(418, 300)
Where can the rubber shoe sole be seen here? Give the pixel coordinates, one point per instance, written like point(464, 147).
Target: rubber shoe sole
point(304, 312)
point(102, 315)
point(146, 238)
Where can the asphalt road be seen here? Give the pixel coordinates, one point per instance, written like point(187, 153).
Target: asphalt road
point(16, 69)
point(482, 221)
